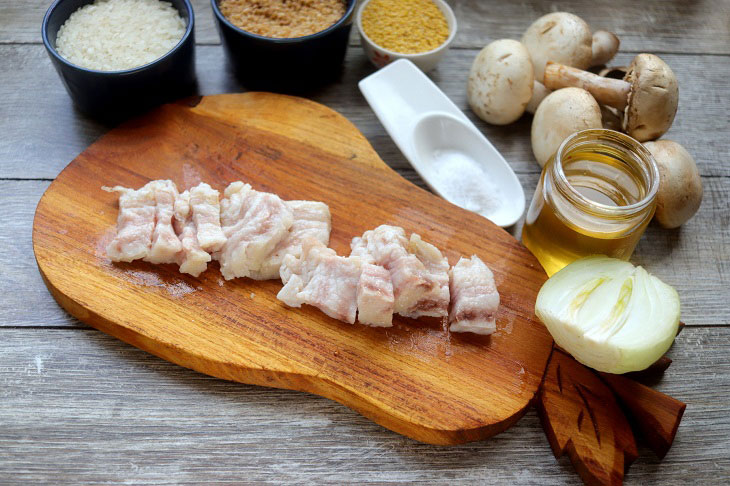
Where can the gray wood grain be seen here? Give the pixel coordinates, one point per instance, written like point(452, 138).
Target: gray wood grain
point(23, 291)
point(77, 406)
point(80, 407)
point(700, 26)
point(647, 26)
point(36, 146)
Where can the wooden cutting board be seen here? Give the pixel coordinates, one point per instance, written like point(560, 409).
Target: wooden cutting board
point(415, 378)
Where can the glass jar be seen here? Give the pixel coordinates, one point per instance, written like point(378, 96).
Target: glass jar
point(595, 196)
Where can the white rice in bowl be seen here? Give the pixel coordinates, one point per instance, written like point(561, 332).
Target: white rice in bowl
point(114, 35)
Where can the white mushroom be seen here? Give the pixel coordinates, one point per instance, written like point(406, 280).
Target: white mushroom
point(605, 46)
point(559, 37)
point(500, 82)
point(539, 92)
point(562, 113)
point(648, 95)
point(680, 185)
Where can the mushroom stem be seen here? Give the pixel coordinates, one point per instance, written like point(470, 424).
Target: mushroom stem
point(607, 91)
point(539, 92)
point(605, 46)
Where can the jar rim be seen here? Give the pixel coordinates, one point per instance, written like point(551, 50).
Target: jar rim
point(648, 168)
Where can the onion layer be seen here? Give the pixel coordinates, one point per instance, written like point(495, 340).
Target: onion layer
point(610, 315)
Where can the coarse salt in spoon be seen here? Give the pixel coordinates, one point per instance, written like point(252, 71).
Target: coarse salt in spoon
point(446, 149)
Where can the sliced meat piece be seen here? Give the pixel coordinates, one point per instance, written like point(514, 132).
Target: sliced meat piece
point(311, 219)
point(254, 223)
point(385, 244)
point(291, 275)
point(207, 216)
point(412, 288)
point(321, 279)
point(191, 258)
point(437, 267)
point(165, 243)
point(419, 291)
point(375, 299)
point(475, 299)
point(135, 223)
point(290, 267)
point(359, 248)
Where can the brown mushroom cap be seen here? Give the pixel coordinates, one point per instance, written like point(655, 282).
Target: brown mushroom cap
point(652, 101)
point(648, 94)
point(680, 186)
point(562, 113)
point(559, 37)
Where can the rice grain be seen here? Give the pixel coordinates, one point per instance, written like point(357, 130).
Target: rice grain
point(115, 35)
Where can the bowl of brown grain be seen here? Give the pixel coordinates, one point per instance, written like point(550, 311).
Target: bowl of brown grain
point(279, 45)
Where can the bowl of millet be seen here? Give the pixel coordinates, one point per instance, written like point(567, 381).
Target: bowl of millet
point(418, 30)
point(284, 45)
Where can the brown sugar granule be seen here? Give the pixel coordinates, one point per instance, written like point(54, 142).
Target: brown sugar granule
point(283, 18)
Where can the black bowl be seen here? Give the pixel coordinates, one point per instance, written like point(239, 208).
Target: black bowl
point(114, 95)
point(290, 64)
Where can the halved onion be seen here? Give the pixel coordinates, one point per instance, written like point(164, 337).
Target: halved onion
point(610, 315)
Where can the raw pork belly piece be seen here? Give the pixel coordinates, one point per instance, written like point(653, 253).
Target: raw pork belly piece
point(420, 280)
point(206, 212)
point(311, 219)
point(437, 267)
point(165, 243)
point(191, 258)
point(254, 223)
point(321, 279)
point(375, 300)
point(359, 248)
point(474, 297)
point(135, 223)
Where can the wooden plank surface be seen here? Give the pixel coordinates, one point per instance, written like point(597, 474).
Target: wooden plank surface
point(698, 26)
point(79, 406)
point(23, 288)
point(39, 147)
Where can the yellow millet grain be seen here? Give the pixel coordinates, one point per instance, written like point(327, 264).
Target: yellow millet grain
point(405, 26)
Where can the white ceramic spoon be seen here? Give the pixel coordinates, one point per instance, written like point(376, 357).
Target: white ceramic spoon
point(446, 149)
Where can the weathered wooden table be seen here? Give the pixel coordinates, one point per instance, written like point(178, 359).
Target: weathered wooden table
point(77, 406)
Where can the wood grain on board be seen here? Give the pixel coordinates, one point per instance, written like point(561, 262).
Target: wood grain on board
point(653, 415)
point(582, 419)
point(415, 378)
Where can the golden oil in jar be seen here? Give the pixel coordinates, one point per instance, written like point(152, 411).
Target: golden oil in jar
point(595, 196)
